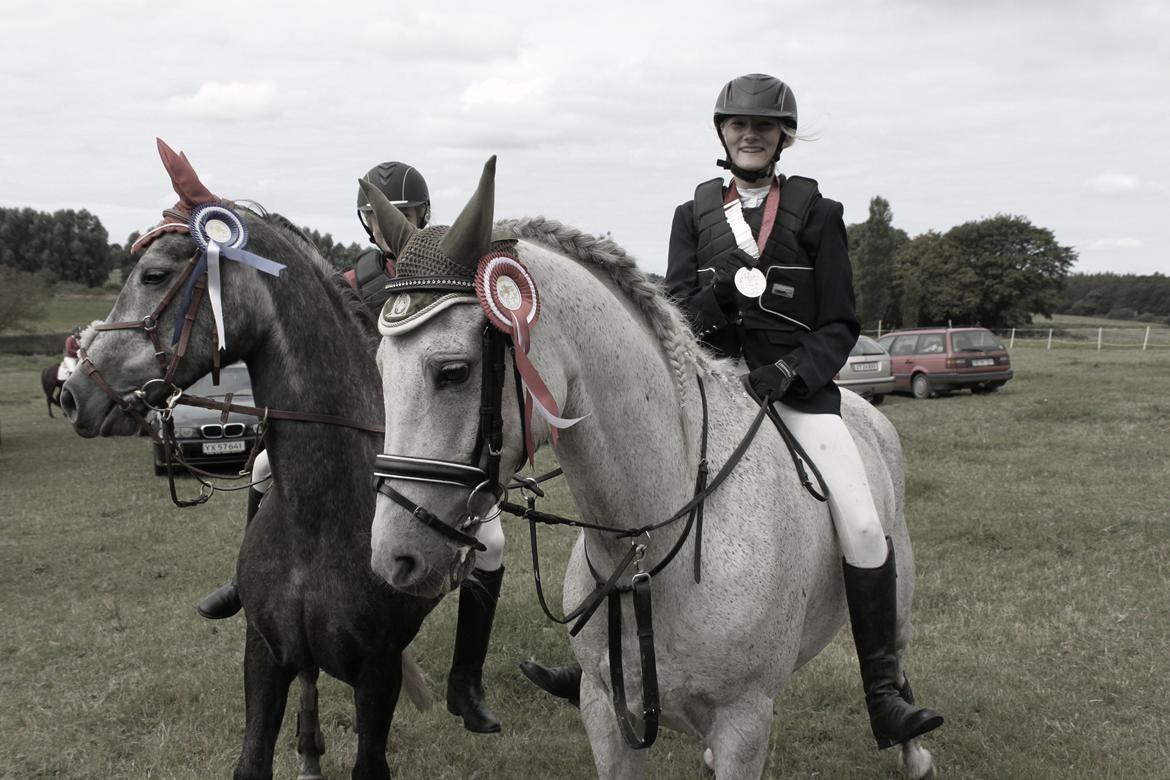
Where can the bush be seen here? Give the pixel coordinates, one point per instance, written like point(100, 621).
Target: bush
point(1122, 313)
point(22, 297)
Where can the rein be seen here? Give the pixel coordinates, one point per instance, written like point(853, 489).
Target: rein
point(165, 435)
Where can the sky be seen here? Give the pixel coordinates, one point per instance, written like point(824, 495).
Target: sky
point(599, 112)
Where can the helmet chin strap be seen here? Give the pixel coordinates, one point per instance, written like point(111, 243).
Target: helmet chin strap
point(745, 174)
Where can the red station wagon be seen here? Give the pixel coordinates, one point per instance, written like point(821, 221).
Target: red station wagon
point(937, 360)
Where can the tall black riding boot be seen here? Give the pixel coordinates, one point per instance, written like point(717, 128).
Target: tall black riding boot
point(477, 610)
point(224, 601)
point(564, 682)
point(873, 611)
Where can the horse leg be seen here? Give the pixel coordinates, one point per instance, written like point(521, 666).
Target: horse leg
point(613, 759)
point(375, 697)
point(310, 739)
point(738, 737)
point(265, 691)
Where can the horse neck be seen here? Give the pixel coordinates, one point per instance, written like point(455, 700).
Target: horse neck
point(632, 461)
point(312, 356)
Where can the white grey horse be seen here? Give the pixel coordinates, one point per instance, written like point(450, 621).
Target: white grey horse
point(611, 348)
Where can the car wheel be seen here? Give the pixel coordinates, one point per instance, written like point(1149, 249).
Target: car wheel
point(920, 386)
point(160, 466)
point(876, 399)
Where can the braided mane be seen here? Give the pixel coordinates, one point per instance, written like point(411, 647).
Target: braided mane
point(681, 350)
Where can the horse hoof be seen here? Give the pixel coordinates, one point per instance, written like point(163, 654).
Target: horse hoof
point(917, 762)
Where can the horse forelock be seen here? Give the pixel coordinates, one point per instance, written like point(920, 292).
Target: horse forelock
point(679, 347)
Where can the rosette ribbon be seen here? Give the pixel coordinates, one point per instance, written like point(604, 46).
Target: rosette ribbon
point(219, 232)
point(507, 293)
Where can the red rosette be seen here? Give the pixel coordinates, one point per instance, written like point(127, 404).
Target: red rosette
point(507, 293)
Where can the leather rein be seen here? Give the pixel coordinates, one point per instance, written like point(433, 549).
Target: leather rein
point(165, 435)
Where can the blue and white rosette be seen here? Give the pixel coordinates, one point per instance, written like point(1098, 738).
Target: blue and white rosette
point(219, 232)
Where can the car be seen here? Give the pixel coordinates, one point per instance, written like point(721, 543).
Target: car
point(205, 439)
point(929, 361)
point(867, 371)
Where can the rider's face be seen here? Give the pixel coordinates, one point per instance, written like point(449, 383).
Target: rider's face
point(751, 140)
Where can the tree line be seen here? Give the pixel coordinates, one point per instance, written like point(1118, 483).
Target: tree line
point(996, 272)
point(1119, 297)
point(39, 250)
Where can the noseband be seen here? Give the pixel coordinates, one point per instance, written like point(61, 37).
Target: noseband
point(483, 482)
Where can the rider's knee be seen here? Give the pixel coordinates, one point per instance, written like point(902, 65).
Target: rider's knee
point(491, 534)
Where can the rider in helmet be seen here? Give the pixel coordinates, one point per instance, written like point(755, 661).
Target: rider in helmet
point(761, 267)
point(405, 187)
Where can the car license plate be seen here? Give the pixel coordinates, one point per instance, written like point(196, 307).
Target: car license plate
point(983, 362)
point(222, 447)
point(866, 366)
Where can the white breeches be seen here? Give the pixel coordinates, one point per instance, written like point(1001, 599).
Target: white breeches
point(830, 446)
point(67, 367)
point(490, 533)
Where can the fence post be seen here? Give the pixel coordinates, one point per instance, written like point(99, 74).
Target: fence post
point(879, 329)
point(1050, 338)
point(1099, 332)
point(1012, 342)
point(1146, 340)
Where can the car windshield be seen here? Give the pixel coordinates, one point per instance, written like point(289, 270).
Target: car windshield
point(232, 379)
point(975, 341)
point(866, 346)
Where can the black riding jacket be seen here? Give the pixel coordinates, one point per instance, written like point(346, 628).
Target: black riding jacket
point(806, 315)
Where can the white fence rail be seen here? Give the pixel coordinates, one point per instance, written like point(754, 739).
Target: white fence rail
point(1140, 337)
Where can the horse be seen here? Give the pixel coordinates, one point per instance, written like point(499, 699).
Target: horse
point(610, 347)
point(51, 386)
point(311, 601)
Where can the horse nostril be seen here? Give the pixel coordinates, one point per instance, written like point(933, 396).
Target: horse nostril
point(68, 404)
point(404, 567)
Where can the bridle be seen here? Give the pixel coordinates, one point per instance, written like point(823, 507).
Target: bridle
point(174, 396)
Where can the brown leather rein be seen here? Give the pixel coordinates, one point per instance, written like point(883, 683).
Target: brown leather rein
point(164, 436)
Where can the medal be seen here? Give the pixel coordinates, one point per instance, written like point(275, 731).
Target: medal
point(750, 282)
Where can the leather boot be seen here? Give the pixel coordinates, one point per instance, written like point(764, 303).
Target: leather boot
point(224, 601)
point(477, 610)
point(872, 597)
point(564, 682)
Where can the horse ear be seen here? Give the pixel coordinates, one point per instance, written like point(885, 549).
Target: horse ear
point(187, 186)
point(394, 229)
point(470, 237)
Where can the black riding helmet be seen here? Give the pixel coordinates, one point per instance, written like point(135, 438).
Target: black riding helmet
point(756, 94)
point(402, 185)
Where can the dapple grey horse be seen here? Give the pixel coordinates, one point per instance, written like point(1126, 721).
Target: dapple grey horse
point(310, 598)
point(614, 351)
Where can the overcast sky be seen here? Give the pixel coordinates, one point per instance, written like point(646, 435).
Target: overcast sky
point(600, 112)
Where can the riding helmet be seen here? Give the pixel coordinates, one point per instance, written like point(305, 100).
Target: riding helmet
point(402, 185)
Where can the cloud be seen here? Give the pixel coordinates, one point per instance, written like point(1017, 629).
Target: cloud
point(1115, 243)
point(1119, 184)
point(232, 100)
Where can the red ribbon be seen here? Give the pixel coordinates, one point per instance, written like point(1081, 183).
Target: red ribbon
point(771, 207)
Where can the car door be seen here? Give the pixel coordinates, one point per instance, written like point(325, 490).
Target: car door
point(901, 350)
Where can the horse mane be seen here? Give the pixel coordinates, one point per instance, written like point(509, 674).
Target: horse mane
point(350, 298)
point(681, 349)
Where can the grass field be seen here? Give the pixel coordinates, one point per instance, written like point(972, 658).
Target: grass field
point(1041, 521)
point(62, 312)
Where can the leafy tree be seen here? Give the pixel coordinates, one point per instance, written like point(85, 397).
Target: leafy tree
point(338, 255)
point(22, 296)
point(935, 286)
point(69, 245)
point(873, 246)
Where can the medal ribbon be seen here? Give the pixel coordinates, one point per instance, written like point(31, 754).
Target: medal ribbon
point(209, 261)
point(739, 226)
point(537, 396)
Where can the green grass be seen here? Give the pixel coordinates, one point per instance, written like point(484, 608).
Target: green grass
point(1041, 527)
point(63, 311)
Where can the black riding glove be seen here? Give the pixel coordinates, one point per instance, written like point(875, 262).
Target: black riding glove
point(770, 381)
point(725, 267)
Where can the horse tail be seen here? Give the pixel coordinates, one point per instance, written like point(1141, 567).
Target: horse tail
point(414, 684)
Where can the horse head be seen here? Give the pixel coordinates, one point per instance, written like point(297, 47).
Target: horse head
point(134, 352)
point(432, 360)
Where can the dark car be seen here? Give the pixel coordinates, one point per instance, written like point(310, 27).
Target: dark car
point(867, 371)
point(206, 440)
point(938, 360)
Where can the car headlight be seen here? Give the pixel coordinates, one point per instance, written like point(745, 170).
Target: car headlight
point(186, 433)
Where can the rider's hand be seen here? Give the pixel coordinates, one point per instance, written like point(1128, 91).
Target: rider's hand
point(771, 380)
point(725, 267)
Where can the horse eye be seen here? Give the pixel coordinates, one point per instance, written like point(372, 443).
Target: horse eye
point(155, 275)
point(454, 373)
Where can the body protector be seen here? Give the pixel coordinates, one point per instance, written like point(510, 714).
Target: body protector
point(788, 303)
point(371, 273)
